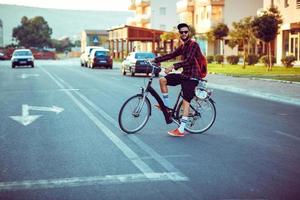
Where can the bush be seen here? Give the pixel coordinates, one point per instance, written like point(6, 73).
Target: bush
point(287, 61)
point(219, 58)
point(233, 60)
point(252, 59)
point(210, 59)
point(265, 60)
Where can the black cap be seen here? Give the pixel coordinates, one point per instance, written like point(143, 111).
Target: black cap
point(179, 26)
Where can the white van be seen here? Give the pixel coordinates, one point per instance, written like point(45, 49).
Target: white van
point(85, 55)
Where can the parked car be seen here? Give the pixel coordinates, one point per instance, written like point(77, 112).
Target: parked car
point(21, 57)
point(100, 58)
point(2, 56)
point(136, 62)
point(85, 55)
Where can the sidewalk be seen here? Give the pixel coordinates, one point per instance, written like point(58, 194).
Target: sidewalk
point(274, 90)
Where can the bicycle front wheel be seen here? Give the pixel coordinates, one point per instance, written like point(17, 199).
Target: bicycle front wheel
point(134, 114)
point(201, 117)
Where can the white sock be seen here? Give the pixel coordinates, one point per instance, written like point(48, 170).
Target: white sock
point(166, 99)
point(183, 122)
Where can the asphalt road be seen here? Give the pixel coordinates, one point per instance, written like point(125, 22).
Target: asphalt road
point(59, 139)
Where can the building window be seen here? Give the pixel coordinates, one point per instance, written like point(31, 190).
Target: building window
point(162, 11)
point(298, 4)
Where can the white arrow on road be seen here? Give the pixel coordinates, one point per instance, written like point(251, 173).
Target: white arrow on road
point(55, 109)
point(28, 75)
point(27, 119)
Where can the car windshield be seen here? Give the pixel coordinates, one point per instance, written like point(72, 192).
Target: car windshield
point(101, 53)
point(22, 53)
point(144, 55)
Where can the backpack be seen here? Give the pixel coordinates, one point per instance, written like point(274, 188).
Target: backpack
point(201, 62)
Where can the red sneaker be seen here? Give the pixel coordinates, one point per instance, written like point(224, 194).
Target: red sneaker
point(175, 133)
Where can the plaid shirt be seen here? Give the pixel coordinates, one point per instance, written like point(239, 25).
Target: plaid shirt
point(188, 52)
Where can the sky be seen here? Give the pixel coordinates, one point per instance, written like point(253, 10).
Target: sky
point(116, 5)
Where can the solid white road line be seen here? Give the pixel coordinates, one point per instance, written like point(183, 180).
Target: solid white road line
point(161, 160)
point(287, 135)
point(130, 154)
point(88, 181)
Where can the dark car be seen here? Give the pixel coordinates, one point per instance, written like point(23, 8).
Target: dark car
point(136, 62)
point(22, 57)
point(100, 58)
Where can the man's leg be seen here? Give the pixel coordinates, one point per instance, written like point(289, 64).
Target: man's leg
point(184, 119)
point(188, 88)
point(164, 91)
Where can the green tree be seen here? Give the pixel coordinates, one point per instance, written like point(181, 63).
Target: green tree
point(62, 45)
point(219, 32)
point(33, 32)
point(265, 28)
point(241, 34)
point(209, 36)
point(166, 36)
point(77, 43)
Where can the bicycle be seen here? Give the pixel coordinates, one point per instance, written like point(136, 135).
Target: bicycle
point(136, 111)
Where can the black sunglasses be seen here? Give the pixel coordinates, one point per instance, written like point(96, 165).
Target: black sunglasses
point(183, 32)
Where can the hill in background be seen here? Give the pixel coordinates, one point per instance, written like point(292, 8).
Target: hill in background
point(68, 23)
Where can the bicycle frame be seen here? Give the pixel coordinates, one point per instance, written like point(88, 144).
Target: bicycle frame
point(169, 117)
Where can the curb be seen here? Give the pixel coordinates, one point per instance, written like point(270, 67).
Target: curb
point(256, 78)
point(253, 93)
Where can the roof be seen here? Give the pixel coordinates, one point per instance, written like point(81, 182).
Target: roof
point(135, 27)
point(101, 32)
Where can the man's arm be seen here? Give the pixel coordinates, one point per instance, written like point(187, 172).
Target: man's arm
point(190, 59)
point(169, 56)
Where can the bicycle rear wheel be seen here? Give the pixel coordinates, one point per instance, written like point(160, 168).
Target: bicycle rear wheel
point(134, 114)
point(201, 117)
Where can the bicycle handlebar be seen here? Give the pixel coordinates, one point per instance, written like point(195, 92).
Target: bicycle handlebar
point(153, 66)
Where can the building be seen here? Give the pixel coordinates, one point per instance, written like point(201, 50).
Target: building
point(203, 15)
point(94, 38)
point(1, 33)
point(288, 39)
point(153, 14)
point(125, 39)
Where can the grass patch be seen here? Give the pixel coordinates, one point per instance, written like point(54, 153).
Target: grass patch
point(278, 73)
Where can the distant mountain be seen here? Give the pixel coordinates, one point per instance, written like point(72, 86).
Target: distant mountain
point(68, 23)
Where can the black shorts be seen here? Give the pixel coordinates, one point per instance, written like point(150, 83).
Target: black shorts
point(187, 85)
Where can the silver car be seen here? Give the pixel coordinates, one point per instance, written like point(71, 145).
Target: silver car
point(136, 62)
point(22, 57)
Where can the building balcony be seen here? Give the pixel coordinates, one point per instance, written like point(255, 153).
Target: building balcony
point(138, 3)
point(132, 5)
point(211, 2)
point(138, 20)
point(143, 19)
point(185, 6)
point(131, 21)
point(142, 3)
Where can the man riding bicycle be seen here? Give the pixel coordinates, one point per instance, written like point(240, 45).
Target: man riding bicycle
point(189, 77)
